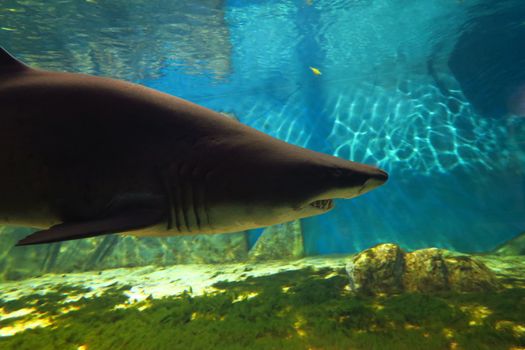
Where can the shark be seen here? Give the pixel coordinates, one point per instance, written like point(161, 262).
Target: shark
point(83, 156)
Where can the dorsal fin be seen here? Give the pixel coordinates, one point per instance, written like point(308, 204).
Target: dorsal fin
point(8, 62)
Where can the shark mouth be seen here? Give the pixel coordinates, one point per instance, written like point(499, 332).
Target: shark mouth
point(323, 204)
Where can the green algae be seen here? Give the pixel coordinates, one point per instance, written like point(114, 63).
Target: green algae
point(44, 303)
point(303, 309)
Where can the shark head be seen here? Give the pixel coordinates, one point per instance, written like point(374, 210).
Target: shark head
point(273, 182)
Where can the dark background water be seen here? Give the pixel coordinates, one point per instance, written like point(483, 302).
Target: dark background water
point(417, 87)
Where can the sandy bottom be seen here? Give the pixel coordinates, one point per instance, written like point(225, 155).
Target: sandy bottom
point(158, 282)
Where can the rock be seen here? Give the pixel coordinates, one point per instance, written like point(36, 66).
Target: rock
point(283, 241)
point(211, 249)
point(510, 270)
point(16, 262)
point(377, 270)
point(112, 251)
point(385, 268)
point(466, 274)
point(515, 246)
point(425, 271)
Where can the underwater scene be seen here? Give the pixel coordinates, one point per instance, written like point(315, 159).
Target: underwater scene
point(347, 174)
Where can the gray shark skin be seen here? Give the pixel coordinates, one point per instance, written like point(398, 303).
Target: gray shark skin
point(84, 156)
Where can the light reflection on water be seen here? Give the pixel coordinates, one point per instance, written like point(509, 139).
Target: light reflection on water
point(127, 39)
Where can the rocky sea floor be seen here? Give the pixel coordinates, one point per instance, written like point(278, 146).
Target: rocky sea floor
point(302, 304)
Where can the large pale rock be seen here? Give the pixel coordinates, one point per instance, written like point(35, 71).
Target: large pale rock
point(377, 270)
point(283, 241)
point(385, 268)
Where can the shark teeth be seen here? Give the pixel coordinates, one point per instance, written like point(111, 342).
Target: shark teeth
point(322, 204)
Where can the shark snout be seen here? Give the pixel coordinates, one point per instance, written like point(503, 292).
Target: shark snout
point(359, 179)
point(375, 180)
point(348, 182)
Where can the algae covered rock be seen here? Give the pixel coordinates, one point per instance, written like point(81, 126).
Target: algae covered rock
point(433, 270)
point(385, 268)
point(283, 241)
point(425, 271)
point(466, 274)
point(515, 246)
point(377, 270)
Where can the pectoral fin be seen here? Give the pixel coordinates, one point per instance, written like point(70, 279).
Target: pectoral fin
point(133, 219)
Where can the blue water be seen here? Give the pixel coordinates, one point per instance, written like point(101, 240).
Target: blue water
point(416, 87)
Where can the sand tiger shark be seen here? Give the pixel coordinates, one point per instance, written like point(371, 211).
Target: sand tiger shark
point(83, 156)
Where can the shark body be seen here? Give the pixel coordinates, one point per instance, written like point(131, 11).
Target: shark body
point(83, 156)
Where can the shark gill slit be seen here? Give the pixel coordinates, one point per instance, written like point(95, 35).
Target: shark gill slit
point(174, 209)
point(186, 196)
point(205, 199)
point(169, 194)
point(195, 189)
point(190, 212)
point(177, 208)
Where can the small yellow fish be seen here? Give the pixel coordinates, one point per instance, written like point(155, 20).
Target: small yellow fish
point(316, 71)
point(309, 2)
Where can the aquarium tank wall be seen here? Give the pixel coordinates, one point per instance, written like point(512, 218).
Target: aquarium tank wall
point(428, 91)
